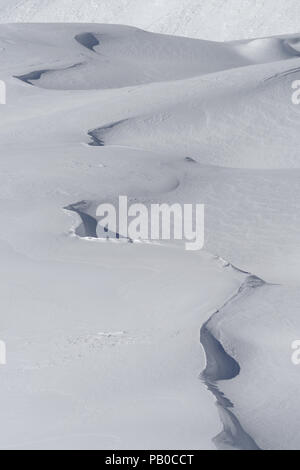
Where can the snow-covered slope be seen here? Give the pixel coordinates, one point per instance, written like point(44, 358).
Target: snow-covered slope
point(103, 339)
point(101, 353)
point(257, 328)
point(206, 19)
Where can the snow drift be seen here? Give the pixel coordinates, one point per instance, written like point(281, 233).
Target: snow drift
point(171, 120)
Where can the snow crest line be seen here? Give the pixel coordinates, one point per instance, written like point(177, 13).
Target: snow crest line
point(97, 135)
point(37, 74)
point(221, 366)
point(283, 74)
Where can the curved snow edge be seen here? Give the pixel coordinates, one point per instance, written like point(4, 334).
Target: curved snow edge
point(221, 366)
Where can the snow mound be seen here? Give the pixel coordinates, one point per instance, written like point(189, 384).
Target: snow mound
point(97, 111)
point(97, 56)
point(258, 329)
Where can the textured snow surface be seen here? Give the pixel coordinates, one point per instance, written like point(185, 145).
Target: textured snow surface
point(207, 19)
point(103, 338)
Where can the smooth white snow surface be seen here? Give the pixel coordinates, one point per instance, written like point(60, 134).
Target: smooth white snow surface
point(220, 20)
point(103, 338)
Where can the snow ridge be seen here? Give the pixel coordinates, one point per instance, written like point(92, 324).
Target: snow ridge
point(221, 366)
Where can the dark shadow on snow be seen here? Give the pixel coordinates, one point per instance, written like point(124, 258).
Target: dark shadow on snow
point(221, 366)
point(97, 135)
point(88, 227)
point(37, 74)
point(87, 40)
point(89, 223)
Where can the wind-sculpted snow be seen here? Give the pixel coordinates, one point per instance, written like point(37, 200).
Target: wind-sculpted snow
point(88, 228)
point(266, 321)
point(285, 73)
point(97, 134)
point(162, 120)
point(88, 40)
point(221, 366)
point(242, 105)
point(143, 57)
point(36, 75)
